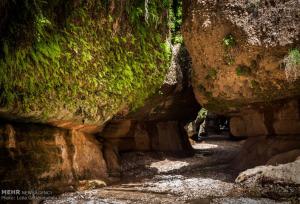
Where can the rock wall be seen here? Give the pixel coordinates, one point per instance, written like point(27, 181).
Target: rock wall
point(43, 157)
point(264, 150)
point(282, 118)
point(164, 136)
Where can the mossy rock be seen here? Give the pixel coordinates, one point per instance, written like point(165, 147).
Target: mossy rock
point(80, 60)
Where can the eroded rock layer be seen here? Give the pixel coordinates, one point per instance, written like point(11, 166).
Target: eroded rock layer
point(41, 157)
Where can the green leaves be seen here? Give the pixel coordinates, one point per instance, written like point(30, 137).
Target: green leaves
point(229, 41)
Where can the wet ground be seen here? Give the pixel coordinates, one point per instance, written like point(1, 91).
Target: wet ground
point(207, 177)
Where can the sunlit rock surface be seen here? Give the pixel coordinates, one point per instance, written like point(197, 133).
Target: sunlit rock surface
point(237, 49)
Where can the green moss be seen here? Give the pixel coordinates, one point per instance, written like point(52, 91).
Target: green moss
point(88, 66)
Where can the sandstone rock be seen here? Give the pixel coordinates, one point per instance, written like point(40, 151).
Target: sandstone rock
point(248, 123)
point(273, 181)
point(142, 139)
point(169, 138)
point(281, 118)
point(285, 157)
point(87, 156)
point(42, 156)
point(124, 144)
point(238, 126)
point(111, 157)
point(116, 129)
point(259, 150)
point(237, 48)
point(287, 118)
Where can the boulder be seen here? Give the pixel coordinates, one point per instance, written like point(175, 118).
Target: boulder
point(285, 157)
point(116, 129)
point(262, 150)
point(287, 118)
point(237, 50)
point(273, 181)
point(75, 65)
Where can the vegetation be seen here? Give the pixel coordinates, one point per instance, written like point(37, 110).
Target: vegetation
point(229, 60)
point(176, 21)
point(212, 74)
point(81, 57)
point(202, 114)
point(229, 41)
point(292, 65)
point(242, 70)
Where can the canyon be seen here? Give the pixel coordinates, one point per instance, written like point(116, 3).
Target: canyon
point(97, 98)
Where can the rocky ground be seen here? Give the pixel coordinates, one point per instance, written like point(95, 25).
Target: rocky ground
point(152, 177)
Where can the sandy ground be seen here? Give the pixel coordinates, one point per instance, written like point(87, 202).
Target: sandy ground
point(153, 178)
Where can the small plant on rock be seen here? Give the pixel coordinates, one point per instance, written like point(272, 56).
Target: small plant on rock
point(229, 41)
point(212, 74)
point(243, 70)
point(229, 60)
point(292, 65)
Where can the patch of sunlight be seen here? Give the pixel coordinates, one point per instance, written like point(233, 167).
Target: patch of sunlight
point(205, 146)
point(193, 186)
point(167, 165)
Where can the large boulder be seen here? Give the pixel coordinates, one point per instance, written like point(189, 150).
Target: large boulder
point(75, 64)
point(267, 150)
point(273, 181)
point(239, 51)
